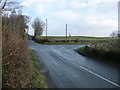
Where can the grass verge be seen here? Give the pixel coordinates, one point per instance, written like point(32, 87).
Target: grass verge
point(38, 80)
point(111, 57)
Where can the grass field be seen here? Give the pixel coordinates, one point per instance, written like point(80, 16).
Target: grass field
point(63, 43)
point(75, 38)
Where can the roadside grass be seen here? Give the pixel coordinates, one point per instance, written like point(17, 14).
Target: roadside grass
point(38, 80)
point(110, 56)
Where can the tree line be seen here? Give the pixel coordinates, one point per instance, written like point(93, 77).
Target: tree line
point(17, 71)
point(13, 19)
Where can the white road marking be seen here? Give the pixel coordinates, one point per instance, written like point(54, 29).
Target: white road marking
point(100, 77)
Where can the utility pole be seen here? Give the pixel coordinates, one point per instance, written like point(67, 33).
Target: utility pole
point(70, 37)
point(119, 25)
point(66, 30)
point(46, 28)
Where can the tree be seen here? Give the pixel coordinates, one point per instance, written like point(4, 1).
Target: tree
point(7, 5)
point(38, 26)
point(14, 46)
point(114, 34)
point(15, 22)
point(12, 17)
point(119, 34)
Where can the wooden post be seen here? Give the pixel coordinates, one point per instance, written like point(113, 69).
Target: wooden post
point(46, 28)
point(119, 25)
point(66, 30)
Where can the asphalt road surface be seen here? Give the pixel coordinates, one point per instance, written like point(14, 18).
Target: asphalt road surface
point(68, 69)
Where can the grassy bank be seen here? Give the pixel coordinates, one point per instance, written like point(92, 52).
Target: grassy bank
point(64, 43)
point(44, 41)
point(75, 38)
point(109, 56)
point(55, 40)
point(38, 80)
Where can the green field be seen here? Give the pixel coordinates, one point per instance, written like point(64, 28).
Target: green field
point(78, 40)
point(75, 38)
point(64, 43)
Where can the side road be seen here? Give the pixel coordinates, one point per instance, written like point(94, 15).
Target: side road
point(68, 69)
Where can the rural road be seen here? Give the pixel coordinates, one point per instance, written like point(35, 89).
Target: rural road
point(68, 69)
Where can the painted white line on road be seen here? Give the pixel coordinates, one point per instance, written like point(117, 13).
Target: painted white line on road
point(100, 77)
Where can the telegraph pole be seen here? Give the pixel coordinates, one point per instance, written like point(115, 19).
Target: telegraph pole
point(70, 37)
point(66, 30)
point(46, 28)
point(119, 27)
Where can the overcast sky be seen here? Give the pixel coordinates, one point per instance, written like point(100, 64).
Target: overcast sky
point(84, 17)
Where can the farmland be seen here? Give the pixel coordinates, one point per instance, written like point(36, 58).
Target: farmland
point(75, 38)
point(72, 40)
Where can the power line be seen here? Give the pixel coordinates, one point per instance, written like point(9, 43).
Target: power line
point(45, 16)
point(44, 9)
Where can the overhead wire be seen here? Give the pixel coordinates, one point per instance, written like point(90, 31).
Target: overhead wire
point(44, 9)
point(44, 13)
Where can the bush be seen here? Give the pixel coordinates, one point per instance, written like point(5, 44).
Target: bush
point(112, 57)
point(19, 69)
point(40, 40)
point(15, 60)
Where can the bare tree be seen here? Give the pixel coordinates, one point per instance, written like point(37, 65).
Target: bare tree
point(15, 22)
point(3, 5)
point(10, 19)
point(14, 46)
point(114, 34)
point(38, 26)
point(9, 5)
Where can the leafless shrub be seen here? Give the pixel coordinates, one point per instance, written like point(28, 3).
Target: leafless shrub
point(110, 45)
point(15, 60)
